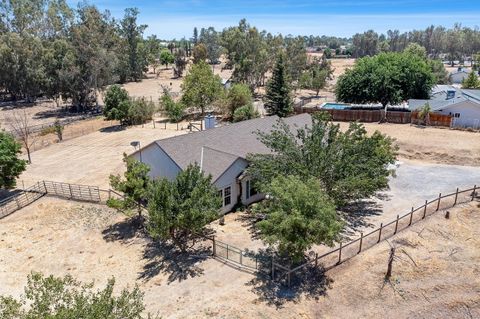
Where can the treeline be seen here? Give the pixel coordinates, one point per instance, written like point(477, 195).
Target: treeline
point(457, 43)
point(49, 49)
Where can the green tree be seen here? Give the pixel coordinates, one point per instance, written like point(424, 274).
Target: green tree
point(117, 104)
point(166, 58)
point(471, 81)
point(424, 113)
point(315, 77)
point(439, 71)
point(11, 166)
point(246, 112)
point(350, 165)
point(210, 38)
point(175, 111)
point(132, 34)
point(300, 215)
point(387, 78)
point(65, 298)
point(180, 209)
point(237, 96)
point(153, 51)
point(199, 53)
point(133, 186)
point(278, 100)
point(180, 63)
point(416, 49)
point(201, 87)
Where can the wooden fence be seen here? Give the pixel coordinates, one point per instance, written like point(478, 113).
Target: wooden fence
point(433, 120)
point(360, 115)
point(350, 249)
point(63, 190)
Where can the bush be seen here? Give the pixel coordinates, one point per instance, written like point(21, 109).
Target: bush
point(140, 111)
point(246, 112)
point(117, 103)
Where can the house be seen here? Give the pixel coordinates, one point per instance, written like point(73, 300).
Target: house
point(220, 152)
point(458, 76)
point(462, 104)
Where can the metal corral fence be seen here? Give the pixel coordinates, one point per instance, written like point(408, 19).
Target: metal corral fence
point(348, 250)
point(64, 190)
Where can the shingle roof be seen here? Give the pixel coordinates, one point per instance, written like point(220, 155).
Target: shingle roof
point(223, 145)
point(439, 101)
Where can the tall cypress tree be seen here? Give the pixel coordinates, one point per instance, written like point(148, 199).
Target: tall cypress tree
point(278, 100)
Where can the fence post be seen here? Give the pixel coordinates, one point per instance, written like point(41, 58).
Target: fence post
point(456, 196)
point(70, 188)
point(316, 260)
point(45, 186)
point(361, 241)
point(396, 225)
point(380, 233)
point(214, 249)
point(473, 193)
point(241, 253)
point(411, 217)
point(340, 253)
point(227, 251)
point(438, 203)
point(273, 269)
point(425, 209)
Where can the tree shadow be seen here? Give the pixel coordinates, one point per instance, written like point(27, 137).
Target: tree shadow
point(356, 214)
point(164, 257)
point(248, 221)
point(5, 193)
point(113, 129)
point(309, 282)
point(123, 231)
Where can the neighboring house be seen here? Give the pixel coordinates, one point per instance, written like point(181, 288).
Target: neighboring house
point(462, 104)
point(220, 152)
point(458, 76)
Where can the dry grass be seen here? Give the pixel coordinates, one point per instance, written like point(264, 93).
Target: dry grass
point(92, 242)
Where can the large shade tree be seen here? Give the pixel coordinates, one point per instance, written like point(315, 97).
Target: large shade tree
point(387, 78)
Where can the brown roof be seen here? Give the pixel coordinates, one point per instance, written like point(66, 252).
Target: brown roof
point(223, 145)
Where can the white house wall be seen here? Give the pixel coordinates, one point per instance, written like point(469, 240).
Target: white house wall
point(469, 114)
point(161, 165)
point(229, 178)
point(251, 199)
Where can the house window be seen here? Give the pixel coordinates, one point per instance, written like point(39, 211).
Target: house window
point(250, 190)
point(227, 196)
point(457, 114)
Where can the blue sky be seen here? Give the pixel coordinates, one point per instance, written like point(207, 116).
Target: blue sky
point(175, 19)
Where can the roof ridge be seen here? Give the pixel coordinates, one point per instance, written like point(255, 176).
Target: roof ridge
point(220, 151)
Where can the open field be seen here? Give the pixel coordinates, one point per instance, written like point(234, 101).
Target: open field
point(92, 242)
point(91, 158)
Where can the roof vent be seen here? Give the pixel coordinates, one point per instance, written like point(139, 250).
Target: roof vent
point(450, 94)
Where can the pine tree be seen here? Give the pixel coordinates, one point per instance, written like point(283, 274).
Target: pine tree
point(278, 100)
point(471, 82)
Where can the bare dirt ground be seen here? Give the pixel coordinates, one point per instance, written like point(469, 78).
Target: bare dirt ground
point(434, 145)
point(90, 159)
point(436, 274)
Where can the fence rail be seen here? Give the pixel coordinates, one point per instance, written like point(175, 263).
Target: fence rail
point(350, 249)
point(63, 190)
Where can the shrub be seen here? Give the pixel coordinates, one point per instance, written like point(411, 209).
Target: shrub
point(246, 112)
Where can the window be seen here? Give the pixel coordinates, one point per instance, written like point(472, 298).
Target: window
point(227, 196)
point(457, 114)
point(250, 190)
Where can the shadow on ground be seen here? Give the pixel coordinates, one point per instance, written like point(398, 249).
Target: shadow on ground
point(310, 282)
point(123, 231)
point(355, 216)
point(164, 257)
point(113, 129)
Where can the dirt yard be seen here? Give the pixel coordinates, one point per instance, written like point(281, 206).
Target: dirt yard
point(90, 159)
point(435, 275)
point(434, 145)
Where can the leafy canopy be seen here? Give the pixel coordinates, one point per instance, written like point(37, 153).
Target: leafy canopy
point(65, 298)
point(180, 209)
point(133, 186)
point(238, 95)
point(300, 214)
point(387, 78)
point(471, 82)
point(201, 87)
point(11, 166)
point(117, 103)
point(349, 165)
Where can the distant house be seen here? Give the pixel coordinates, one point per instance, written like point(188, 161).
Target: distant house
point(220, 152)
point(458, 76)
point(462, 104)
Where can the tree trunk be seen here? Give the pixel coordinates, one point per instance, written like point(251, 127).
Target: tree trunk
point(390, 264)
point(28, 154)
